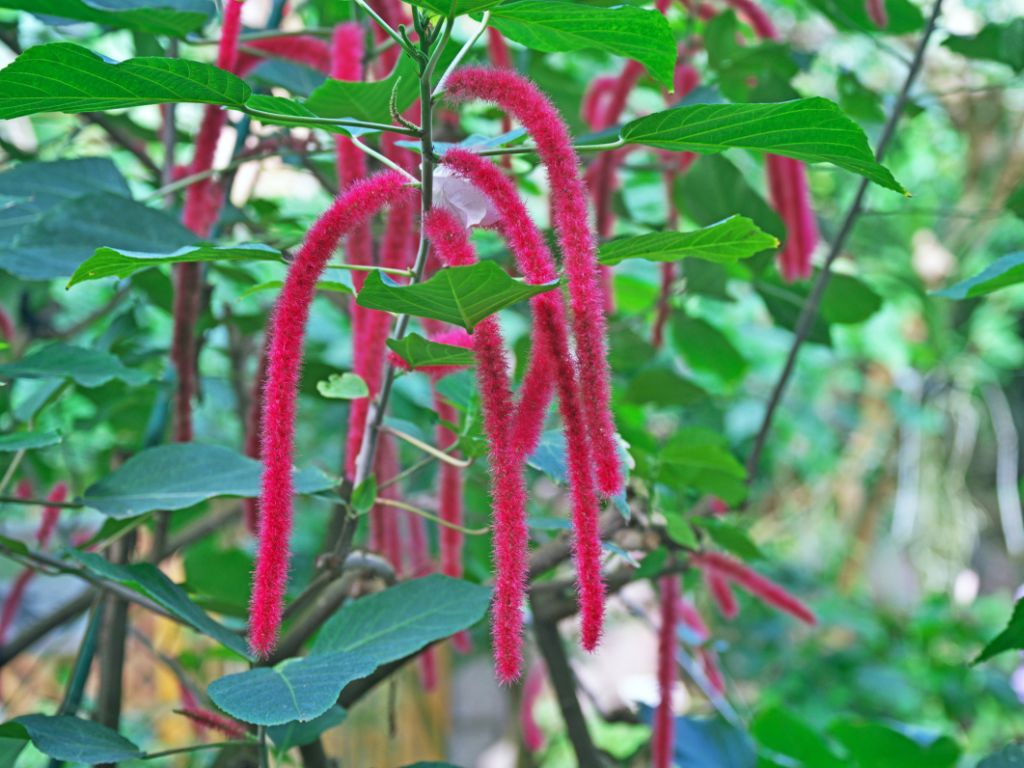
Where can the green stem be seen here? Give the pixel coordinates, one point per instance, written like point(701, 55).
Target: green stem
point(196, 748)
point(529, 149)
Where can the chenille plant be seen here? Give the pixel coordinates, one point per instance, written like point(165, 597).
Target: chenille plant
point(396, 329)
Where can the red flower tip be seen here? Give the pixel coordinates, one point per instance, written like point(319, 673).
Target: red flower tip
point(284, 358)
point(664, 730)
point(878, 13)
point(722, 594)
point(520, 98)
point(787, 183)
point(58, 494)
point(767, 590)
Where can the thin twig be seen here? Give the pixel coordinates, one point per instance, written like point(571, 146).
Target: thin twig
point(484, 21)
point(427, 448)
point(810, 308)
point(430, 516)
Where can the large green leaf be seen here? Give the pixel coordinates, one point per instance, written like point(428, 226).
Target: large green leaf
point(178, 476)
point(418, 352)
point(1010, 639)
point(114, 262)
point(1003, 272)
point(454, 7)
point(784, 734)
point(734, 238)
point(715, 189)
point(85, 366)
point(904, 15)
point(157, 17)
point(64, 77)
point(367, 101)
point(52, 183)
point(299, 689)
point(458, 295)
point(59, 240)
point(813, 130)
point(399, 621)
point(78, 741)
point(623, 30)
point(879, 746)
point(148, 580)
point(27, 441)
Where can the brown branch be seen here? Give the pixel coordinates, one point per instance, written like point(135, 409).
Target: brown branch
point(810, 307)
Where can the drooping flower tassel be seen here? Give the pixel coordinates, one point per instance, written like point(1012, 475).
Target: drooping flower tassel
point(508, 489)
point(878, 13)
point(302, 49)
point(253, 430)
point(362, 200)
point(550, 341)
point(521, 98)
point(533, 736)
point(664, 725)
point(768, 591)
point(203, 201)
point(721, 593)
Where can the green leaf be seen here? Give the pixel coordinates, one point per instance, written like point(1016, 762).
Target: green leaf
point(13, 740)
point(729, 537)
point(450, 8)
point(784, 303)
point(458, 295)
point(705, 348)
point(663, 387)
point(857, 100)
point(852, 15)
point(344, 386)
point(1002, 43)
point(277, 110)
point(56, 243)
point(652, 564)
point(332, 286)
point(418, 352)
point(114, 262)
point(680, 531)
point(52, 183)
point(365, 494)
point(300, 689)
point(1015, 202)
point(813, 130)
point(64, 77)
point(28, 441)
point(714, 189)
point(392, 624)
point(783, 733)
point(879, 746)
point(87, 367)
point(218, 577)
point(367, 101)
point(148, 580)
point(734, 238)
point(700, 459)
point(552, 26)
point(76, 740)
point(1003, 272)
point(1011, 638)
point(549, 457)
point(1010, 756)
point(296, 734)
point(175, 18)
point(178, 476)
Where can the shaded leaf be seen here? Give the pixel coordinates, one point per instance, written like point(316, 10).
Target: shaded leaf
point(148, 580)
point(1010, 756)
point(56, 243)
point(64, 77)
point(549, 457)
point(1010, 639)
point(663, 387)
point(76, 740)
point(714, 189)
point(1003, 272)
point(904, 16)
point(879, 746)
point(418, 351)
point(784, 734)
point(296, 734)
point(705, 348)
point(299, 689)
point(552, 26)
point(366, 101)
point(814, 130)
point(157, 17)
point(344, 386)
point(454, 7)
point(115, 262)
point(88, 367)
point(458, 295)
point(178, 476)
point(27, 441)
point(734, 238)
point(730, 537)
point(1002, 43)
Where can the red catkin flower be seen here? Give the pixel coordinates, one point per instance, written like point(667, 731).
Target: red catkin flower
point(204, 719)
point(58, 495)
point(533, 736)
point(690, 617)
point(521, 99)
point(596, 97)
point(767, 590)
point(756, 17)
point(508, 490)
point(550, 359)
point(664, 727)
point(302, 49)
point(362, 200)
point(253, 429)
point(712, 671)
point(721, 593)
point(202, 206)
point(6, 326)
point(878, 13)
